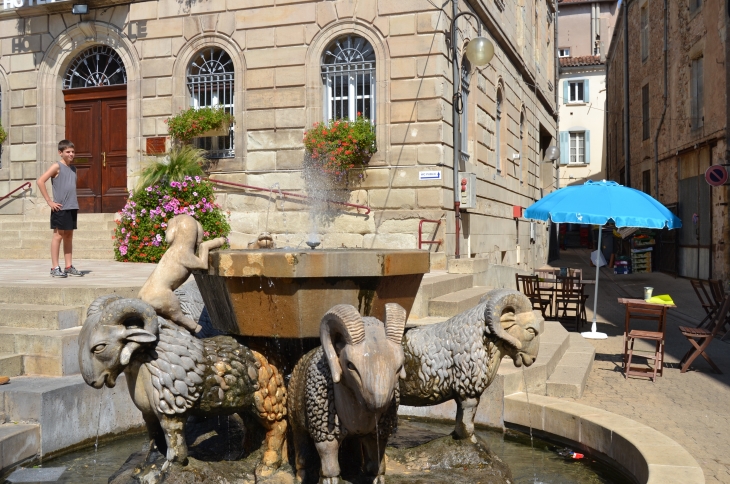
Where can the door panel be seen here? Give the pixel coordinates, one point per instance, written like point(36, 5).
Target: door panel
point(81, 118)
point(96, 121)
point(114, 154)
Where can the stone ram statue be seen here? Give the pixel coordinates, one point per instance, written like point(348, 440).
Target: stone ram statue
point(459, 358)
point(184, 234)
point(172, 375)
point(348, 387)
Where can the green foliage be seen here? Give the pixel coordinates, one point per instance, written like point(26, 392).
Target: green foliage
point(3, 135)
point(340, 145)
point(140, 233)
point(181, 161)
point(193, 122)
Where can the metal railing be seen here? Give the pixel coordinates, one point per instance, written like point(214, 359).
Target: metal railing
point(420, 233)
point(291, 194)
point(28, 184)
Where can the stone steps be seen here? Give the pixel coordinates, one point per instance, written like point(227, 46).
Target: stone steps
point(26, 244)
point(570, 375)
point(436, 285)
point(18, 443)
point(45, 235)
point(49, 352)
point(67, 294)
point(11, 364)
point(456, 302)
point(40, 316)
point(79, 253)
point(81, 224)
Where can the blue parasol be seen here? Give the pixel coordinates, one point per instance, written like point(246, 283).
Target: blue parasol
point(596, 203)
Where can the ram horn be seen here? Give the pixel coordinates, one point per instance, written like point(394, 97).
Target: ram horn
point(98, 305)
point(499, 302)
point(131, 312)
point(344, 321)
point(395, 322)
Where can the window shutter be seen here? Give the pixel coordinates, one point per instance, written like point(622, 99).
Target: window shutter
point(588, 147)
point(566, 97)
point(586, 96)
point(564, 147)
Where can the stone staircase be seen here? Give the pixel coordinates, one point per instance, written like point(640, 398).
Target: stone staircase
point(29, 236)
point(39, 327)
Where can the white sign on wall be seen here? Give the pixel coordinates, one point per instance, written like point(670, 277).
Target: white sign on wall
point(14, 4)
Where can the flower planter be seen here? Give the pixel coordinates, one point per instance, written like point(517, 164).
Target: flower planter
point(222, 131)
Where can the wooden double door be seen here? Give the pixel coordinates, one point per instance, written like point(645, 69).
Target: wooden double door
point(96, 122)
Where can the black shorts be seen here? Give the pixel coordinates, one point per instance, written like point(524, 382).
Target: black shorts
point(64, 219)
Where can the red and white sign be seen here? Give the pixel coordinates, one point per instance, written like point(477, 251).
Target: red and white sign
point(716, 175)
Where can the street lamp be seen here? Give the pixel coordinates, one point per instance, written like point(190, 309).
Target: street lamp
point(479, 51)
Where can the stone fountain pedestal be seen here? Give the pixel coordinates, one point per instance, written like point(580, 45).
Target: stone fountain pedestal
point(275, 299)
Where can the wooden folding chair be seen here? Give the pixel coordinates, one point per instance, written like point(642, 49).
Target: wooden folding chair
point(570, 300)
point(704, 337)
point(705, 294)
point(717, 289)
point(530, 287)
point(650, 312)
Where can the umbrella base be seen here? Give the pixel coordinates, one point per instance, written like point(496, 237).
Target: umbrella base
point(594, 335)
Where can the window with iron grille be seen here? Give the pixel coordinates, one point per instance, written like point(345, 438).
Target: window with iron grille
point(497, 131)
point(697, 87)
point(348, 75)
point(1, 117)
point(97, 66)
point(464, 122)
point(645, 112)
point(645, 32)
point(210, 80)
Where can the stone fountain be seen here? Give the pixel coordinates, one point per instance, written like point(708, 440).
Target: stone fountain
point(339, 408)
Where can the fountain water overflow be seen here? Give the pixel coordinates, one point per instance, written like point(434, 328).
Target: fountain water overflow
point(317, 357)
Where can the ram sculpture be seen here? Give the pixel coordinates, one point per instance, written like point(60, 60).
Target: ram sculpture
point(172, 375)
point(459, 358)
point(347, 388)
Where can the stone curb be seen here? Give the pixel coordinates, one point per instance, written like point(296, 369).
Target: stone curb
point(647, 454)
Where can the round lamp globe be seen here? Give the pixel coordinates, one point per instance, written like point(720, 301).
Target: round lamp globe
point(480, 51)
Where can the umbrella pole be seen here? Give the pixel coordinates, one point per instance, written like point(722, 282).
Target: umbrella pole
point(593, 334)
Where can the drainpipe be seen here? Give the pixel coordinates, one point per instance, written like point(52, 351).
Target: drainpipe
point(627, 152)
point(664, 111)
point(455, 129)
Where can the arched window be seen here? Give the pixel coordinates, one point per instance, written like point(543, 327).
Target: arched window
point(497, 132)
point(522, 143)
point(210, 80)
point(348, 74)
point(97, 66)
point(1, 118)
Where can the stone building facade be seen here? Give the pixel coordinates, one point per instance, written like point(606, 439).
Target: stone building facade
point(273, 54)
point(673, 140)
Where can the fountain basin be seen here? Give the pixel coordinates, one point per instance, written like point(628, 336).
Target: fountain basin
point(284, 293)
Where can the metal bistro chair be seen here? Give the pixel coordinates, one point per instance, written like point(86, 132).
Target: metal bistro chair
point(650, 312)
point(530, 287)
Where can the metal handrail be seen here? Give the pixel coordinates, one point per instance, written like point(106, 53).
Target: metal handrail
point(291, 194)
point(420, 233)
point(19, 188)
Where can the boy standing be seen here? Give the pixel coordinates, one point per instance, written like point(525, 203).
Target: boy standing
point(64, 207)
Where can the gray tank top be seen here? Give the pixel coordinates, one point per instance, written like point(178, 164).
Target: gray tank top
point(64, 187)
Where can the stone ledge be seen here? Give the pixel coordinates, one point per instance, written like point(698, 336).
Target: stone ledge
point(648, 455)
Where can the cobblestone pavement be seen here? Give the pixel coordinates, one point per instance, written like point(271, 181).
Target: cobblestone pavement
point(692, 408)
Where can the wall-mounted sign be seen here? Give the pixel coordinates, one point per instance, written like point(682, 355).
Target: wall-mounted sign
point(716, 175)
point(15, 4)
point(429, 175)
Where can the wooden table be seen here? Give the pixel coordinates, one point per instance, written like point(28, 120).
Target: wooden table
point(626, 300)
point(630, 335)
point(550, 284)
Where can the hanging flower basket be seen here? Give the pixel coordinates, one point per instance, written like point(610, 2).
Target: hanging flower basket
point(194, 123)
point(3, 135)
point(339, 146)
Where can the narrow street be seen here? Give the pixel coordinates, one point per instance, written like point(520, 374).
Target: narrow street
point(691, 408)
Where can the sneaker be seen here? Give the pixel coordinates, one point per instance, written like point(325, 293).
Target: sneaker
point(57, 272)
point(72, 271)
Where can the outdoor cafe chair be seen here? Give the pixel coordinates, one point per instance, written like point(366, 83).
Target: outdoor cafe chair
point(570, 301)
point(708, 296)
point(704, 337)
point(530, 287)
point(651, 312)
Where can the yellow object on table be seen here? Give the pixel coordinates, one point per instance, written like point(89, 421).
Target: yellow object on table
point(663, 299)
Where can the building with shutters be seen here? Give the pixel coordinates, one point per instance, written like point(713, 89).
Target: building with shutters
point(584, 31)
point(108, 80)
point(676, 118)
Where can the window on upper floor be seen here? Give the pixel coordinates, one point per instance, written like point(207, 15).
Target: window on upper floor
point(210, 82)
point(577, 148)
point(564, 52)
point(697, 87)
point(645, 120)
point(498, 131)
point(348, 75)
point(645, 32)
point(575, 91)
point(694, 5)
point(464, 120)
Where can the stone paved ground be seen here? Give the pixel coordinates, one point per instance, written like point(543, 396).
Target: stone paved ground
point(691, 408)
